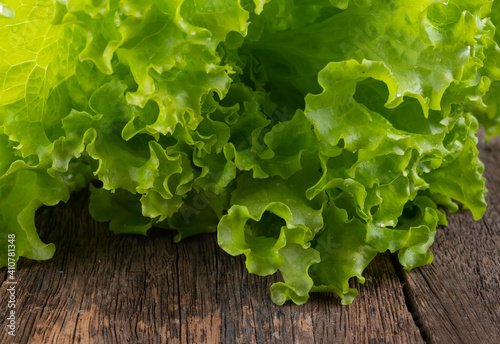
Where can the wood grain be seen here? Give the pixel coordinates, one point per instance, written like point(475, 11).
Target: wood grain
point(102, 288)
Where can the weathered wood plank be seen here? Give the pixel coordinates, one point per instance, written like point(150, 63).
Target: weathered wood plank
point(100, 288)
point(456, 298)
point(241, 302)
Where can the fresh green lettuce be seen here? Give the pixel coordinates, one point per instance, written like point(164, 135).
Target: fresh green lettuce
point(310, 135)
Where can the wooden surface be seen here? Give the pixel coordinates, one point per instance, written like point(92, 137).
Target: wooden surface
point(102, 288)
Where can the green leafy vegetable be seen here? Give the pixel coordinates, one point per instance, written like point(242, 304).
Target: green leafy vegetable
point(310, 135)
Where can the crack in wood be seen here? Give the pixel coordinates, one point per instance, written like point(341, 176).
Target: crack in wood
point(409, 301)
point(179, 304)
point(3, 276)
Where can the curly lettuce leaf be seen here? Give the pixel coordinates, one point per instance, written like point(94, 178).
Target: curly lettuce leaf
point(266, 215)
point(23, 190)
point(425, 44)
point(121, 209)
point(487, 108)
point(310, 135)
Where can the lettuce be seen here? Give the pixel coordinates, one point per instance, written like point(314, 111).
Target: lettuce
point(310, 135)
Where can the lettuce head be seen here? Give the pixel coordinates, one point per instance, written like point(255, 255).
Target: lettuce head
point(311, 135)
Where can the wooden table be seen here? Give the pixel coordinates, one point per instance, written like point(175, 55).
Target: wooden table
point(102, 288)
